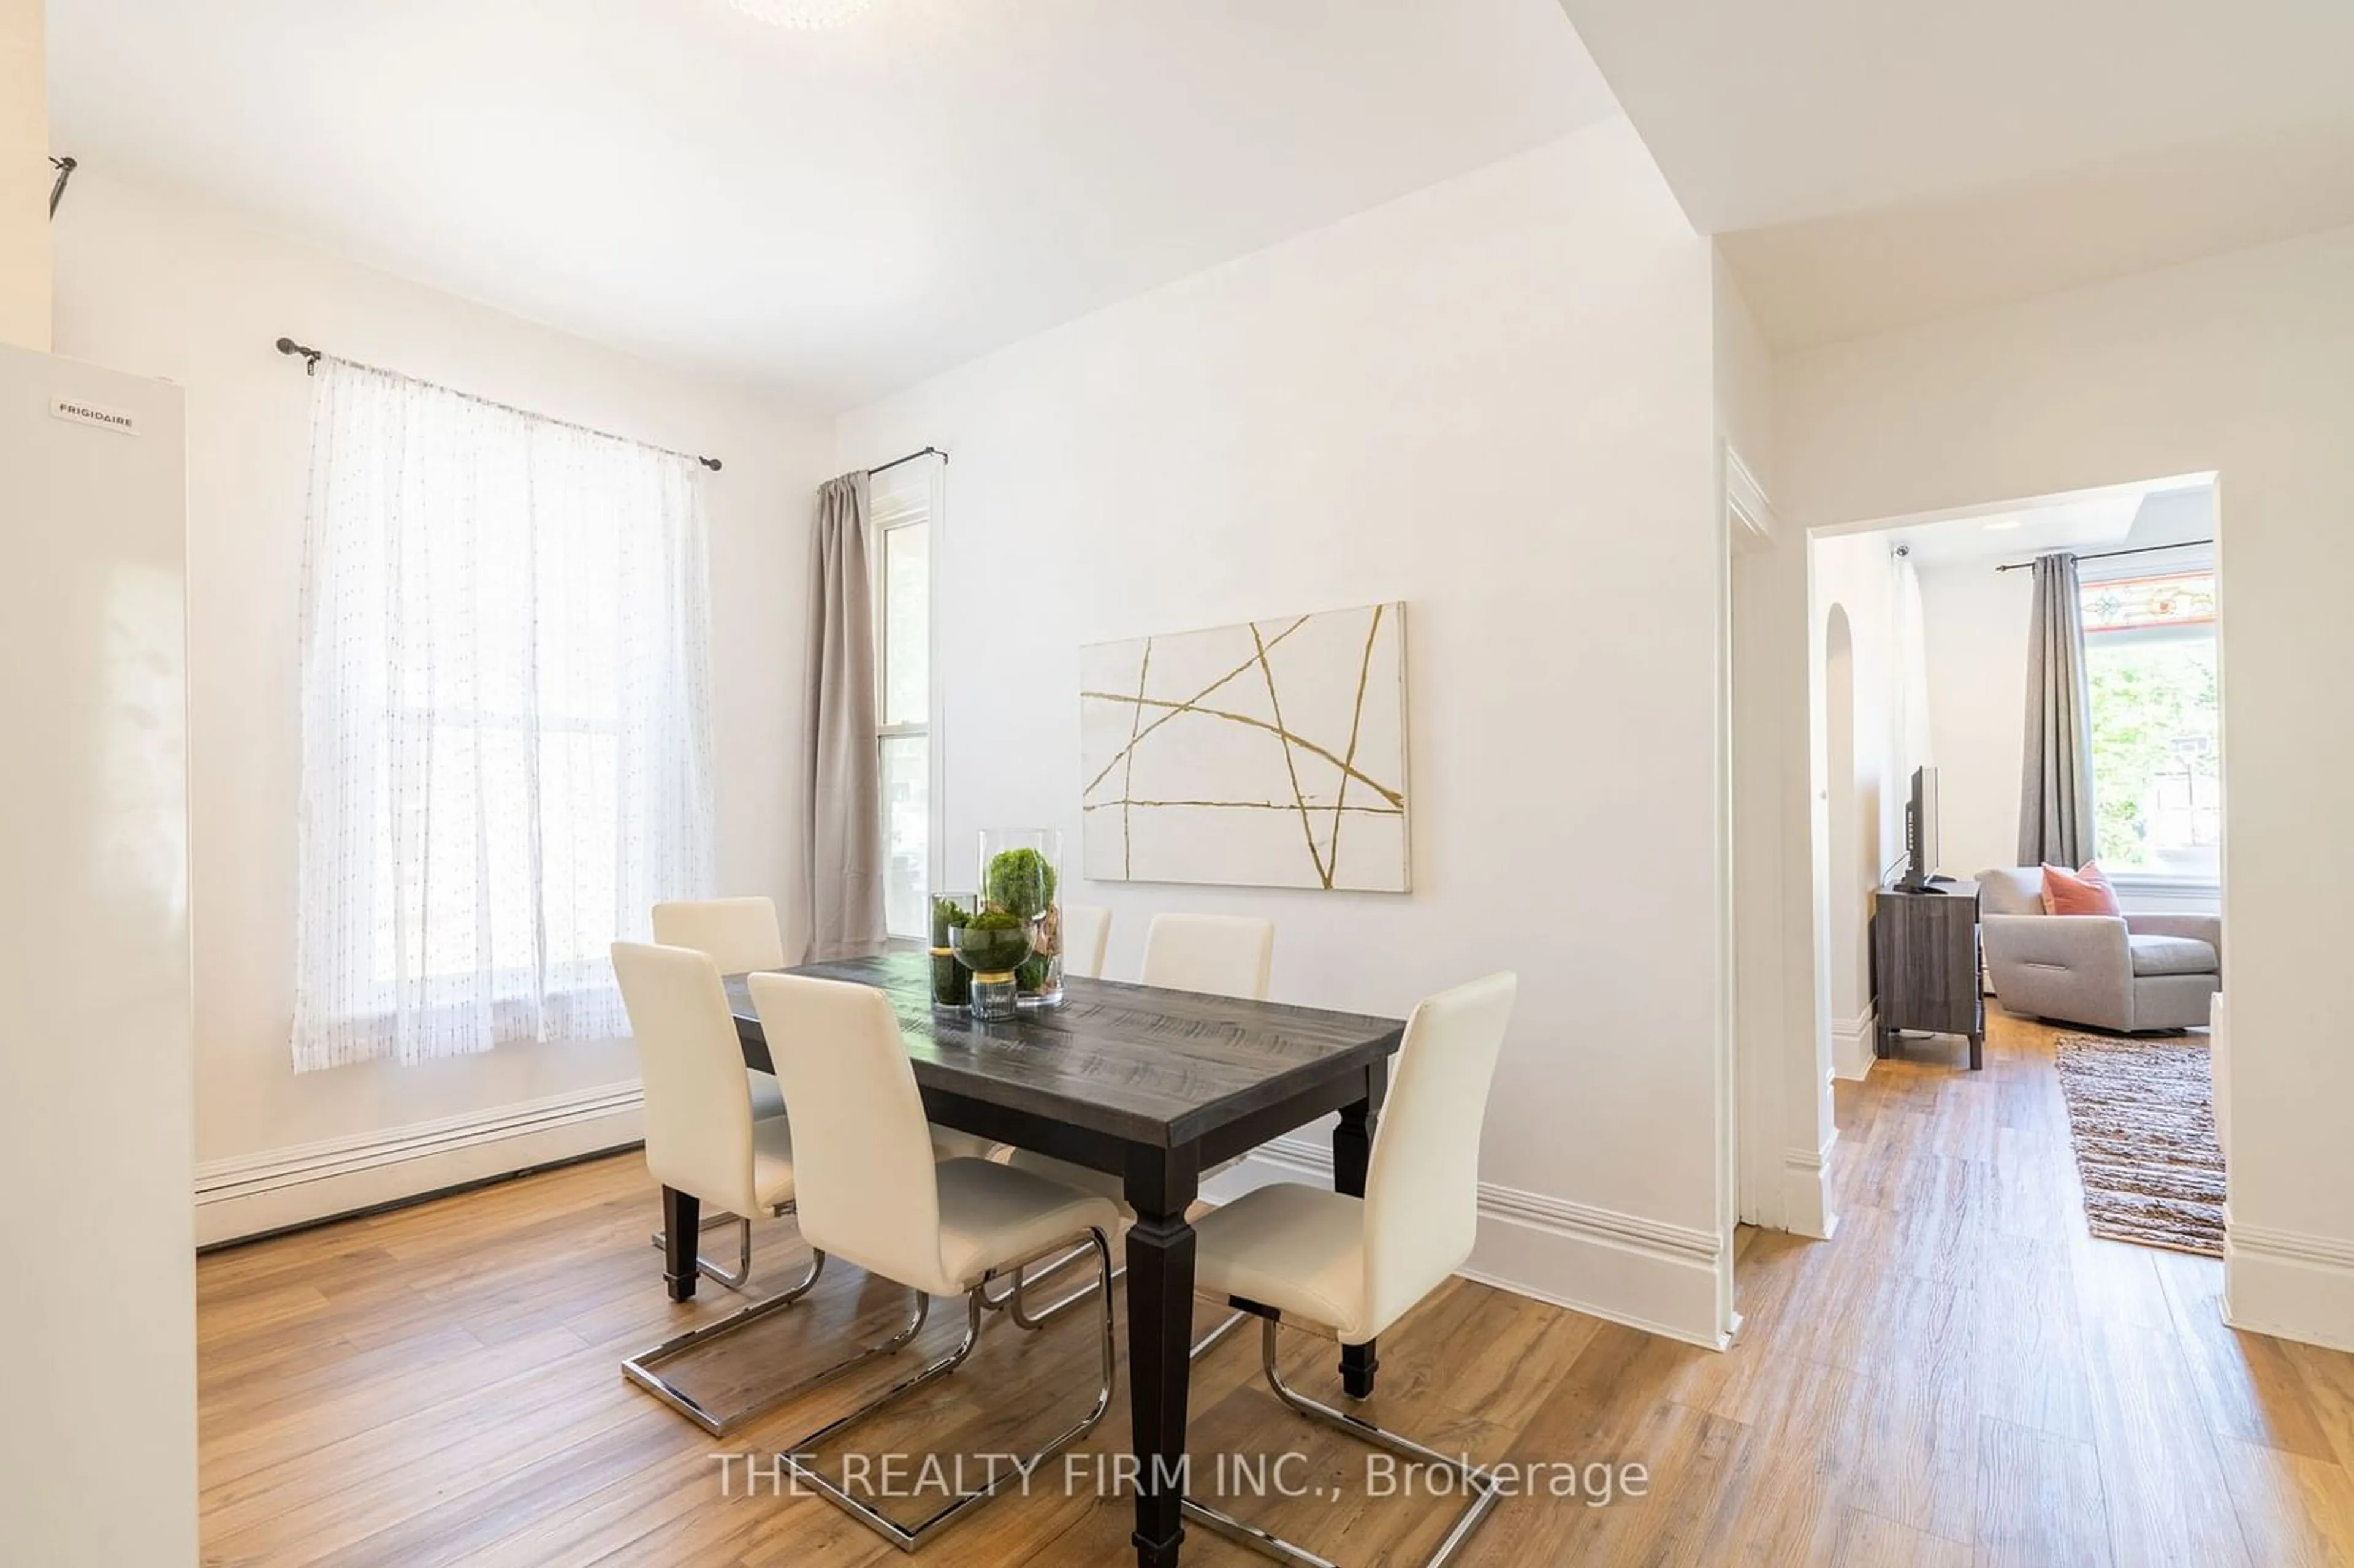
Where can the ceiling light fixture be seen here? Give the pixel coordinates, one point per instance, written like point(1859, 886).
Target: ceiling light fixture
point(805, 14)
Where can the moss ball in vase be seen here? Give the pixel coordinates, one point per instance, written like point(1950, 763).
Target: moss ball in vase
point(1021, 874)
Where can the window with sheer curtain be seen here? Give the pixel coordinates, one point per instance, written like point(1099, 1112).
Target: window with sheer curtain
point(506, 753)
point(901, 505)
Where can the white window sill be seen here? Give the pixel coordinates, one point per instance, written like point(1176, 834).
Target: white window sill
point(2172, 887)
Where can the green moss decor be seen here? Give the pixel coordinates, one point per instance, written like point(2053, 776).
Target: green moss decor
point(1023, 881)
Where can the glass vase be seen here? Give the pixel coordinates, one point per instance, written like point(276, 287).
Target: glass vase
point(1021, 873)
point(951, 981)
point(994, 944)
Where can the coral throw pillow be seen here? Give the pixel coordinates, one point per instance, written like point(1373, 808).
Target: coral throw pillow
point(2085, 892)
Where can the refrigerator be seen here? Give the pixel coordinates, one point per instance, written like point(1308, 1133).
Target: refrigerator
point(98, 1457)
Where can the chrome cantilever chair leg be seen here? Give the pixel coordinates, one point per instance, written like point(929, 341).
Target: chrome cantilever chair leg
point(1014, 1302)
point(1481, 1488)
point(999, 1302)
point(741, 1275)
point(1207, 1342)
point(710, 1222)
point(907, 1537)
point(639, 1368)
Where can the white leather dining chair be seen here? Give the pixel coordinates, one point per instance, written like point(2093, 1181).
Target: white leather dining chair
point(739, 934)
point(1086, 928)
point(1224, 955)
point(742, 935)
point(872, 1194)
point(1218, 955)
point(1354, 1266)
point(702, 1139)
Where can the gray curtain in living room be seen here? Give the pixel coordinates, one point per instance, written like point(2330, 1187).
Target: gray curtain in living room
point(844, 828)
point(2055, 805)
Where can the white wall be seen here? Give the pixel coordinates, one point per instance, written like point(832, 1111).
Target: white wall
point(1745, 373)
point(2243, 364)
point(148, 284)
point(1491, 400)
point(23, 174)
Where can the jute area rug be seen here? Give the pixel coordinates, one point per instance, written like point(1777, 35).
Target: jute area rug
point(2142, 1116)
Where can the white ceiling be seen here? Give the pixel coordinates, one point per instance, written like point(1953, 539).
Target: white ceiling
point(2137, 516)
point(839, 213)
point(1871, 164)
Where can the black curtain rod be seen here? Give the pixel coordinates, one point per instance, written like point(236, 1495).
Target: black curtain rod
point(2108, 555)
point(895, 462)
point(65, 168)
point(310, 357)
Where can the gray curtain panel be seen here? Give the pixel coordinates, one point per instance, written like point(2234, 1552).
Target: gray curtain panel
point(2055, 804)
point(845, 842)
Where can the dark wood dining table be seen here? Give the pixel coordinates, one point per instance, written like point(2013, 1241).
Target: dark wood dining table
point(1154, 1086)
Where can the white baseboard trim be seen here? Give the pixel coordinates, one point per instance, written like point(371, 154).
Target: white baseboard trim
point(1807, 1190)
point(2288, 1284)
point(1643, 1273)
point(248, 1194)
point(1852, 1044)
point(1294, 1156)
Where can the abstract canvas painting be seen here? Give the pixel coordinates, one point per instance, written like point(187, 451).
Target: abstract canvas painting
point(1271, 754)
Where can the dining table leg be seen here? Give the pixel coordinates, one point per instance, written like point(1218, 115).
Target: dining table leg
point(1161, 1187)
point(1353, 1158)
point(683, 1228)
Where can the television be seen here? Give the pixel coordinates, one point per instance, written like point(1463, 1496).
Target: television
point(1921, 831)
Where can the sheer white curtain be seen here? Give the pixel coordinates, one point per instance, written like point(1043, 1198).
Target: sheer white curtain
point(1912, 743)
point(506, 751)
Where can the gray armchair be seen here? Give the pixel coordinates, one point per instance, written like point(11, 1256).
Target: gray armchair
point(2126, 973)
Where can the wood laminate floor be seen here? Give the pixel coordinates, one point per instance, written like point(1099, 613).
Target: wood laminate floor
point(1961, 1377)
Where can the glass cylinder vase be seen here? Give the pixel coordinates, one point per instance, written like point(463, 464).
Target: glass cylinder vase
point(951, 981)
point(1022, 874)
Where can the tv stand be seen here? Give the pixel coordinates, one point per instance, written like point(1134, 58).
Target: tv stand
point(1925, 965)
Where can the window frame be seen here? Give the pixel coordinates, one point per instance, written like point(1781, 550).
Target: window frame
point(2182, 561)
point(930, 476)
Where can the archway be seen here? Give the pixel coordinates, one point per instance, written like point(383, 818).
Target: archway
point(1849, 868)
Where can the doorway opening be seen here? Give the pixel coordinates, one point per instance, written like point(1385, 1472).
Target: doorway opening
point(2016, 749)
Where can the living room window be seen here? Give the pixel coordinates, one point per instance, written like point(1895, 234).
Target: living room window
point(2158, 767)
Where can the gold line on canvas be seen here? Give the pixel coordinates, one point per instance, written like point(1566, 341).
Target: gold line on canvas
point(1359, 774)
point(1356, 723)
point(1248, 806)
point(1306, 828)
point(1187, 705)
point(1128, 779)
